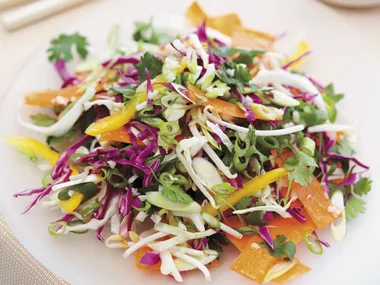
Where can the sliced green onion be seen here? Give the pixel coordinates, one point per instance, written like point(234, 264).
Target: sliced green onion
point(169, 128)
point(32, 156)
point(57, 228)
point(145, 208)
point(180, 166)
point(163, 212)
point(154, 122)
point(88, 189)
point(75, 223)
point(223, 189)
point(116, 179)
point(167, 177)
point(268, 142)
point(313, 245)
point(211, 220)
point(211, 139)
point(308, 146)
point(46, 180)
point(73, 158)
point(88, 211)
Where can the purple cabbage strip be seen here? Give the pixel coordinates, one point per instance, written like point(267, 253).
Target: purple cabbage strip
point(150, 258)
point(129, 152)
point(351, 179)
point(317, 84)
point(63, 160)
point(66, 218)
point(133, 59)
point(255, 98)
point(200, 244)
point(65, 75)
point(265, 235)
point(100, 212)
point(132, 138)
point(134, 164)
point(268, 215)
point(29, 192)
point(126, 80)
point(137, 202)
point(296, 214)
point(324, 243)
point(98, 233)
point(286, 66)
point(216, 59)
point(184, 54)
point(325, 179)
point(201, 33)
point(249, 113)
point(126, 225)
point(147, 180)
point(307, 97)
point(149, 87)
point(125, 202)
point(64, 178)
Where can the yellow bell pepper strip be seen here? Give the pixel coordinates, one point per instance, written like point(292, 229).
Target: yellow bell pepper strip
point(249, 188)
point(302, 48)
point(35, 146)
point(71, 204)
point(114, 121)
point(51, 156)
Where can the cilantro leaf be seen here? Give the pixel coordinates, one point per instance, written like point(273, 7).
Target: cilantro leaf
point(61, 47)
point(354, 207)
point(344, 148)
point(217, 241)
point(333, 187)
point(176, 194)
point(331, 99)
point(152, 63)
point(301, 166)
point(309, 115)
point(248, 230)
point(282, 248)
point(244, 56)
point(244, 203)
point(363, 186)
point(234, 74)
point(145, 32)
point(42, 120)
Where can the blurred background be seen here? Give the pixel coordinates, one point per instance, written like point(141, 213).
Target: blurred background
point(25, 24)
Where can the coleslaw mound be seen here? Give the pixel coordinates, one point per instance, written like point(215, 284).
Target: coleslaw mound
point(174, 146)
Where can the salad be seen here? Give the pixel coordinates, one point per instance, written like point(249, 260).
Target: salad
point(173, 147)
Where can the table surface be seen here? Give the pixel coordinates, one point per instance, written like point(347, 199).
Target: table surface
point(16, 47)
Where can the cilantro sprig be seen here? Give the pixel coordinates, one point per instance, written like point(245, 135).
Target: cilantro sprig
point(282, 248)
point(176, 194)
point(150, 62)
point(232, 73)
point(61, 47)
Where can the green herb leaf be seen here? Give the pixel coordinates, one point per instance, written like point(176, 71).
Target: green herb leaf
point(344, 148)
point(234, 74)
point(42, 120)
point(248, 230)
point(217, 241)
point(61, 47)
point(152, 63)
point(282, 248)
point(309, 114)
point(244, 203)
point(302, 167)
point(176, 194)
point(354, 207)
point(146, 33)
point(330, 92)
point(363, 186)
point(245, 56)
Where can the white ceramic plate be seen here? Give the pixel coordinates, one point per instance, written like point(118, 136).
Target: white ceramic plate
point(340, 54)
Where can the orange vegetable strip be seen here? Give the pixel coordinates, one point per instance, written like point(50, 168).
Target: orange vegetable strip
point(48, 98)
point(254, 263)
point(315, 201)
point(297, 270)
point(119, 135)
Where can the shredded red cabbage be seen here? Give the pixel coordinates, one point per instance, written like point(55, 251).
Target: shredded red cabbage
point(249, 113)
point(125, 202)
point(147, 180)
point(200, 244)
point(150, 258)
point(286, 66)
point(132, 59)
point(65, 75)
point(265, 235)
point(126, 80)
point(324, 243)
point(296, 214)
point(63, 160)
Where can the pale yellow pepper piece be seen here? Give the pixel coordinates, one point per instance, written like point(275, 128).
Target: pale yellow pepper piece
point(71, 204)
point(114, 121)
point(250, 188)
point(302, 47)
